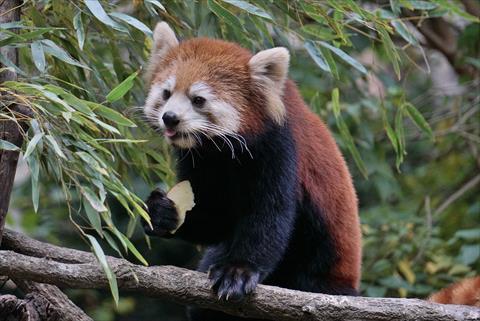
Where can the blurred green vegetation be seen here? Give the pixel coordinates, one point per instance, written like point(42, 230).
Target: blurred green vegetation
point(406, 117)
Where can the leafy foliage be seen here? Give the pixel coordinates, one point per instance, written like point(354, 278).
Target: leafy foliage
point(361, 65)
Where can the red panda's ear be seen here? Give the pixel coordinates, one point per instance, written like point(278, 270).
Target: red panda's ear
point(269, 69)
point(163, 40)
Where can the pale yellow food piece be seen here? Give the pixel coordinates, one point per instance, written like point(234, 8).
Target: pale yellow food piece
point(182, 196)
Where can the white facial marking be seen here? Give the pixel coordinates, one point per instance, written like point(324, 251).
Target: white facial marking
point(155, 98)
point(194, 121)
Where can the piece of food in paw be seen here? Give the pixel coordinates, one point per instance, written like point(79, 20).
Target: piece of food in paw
point(182, 196)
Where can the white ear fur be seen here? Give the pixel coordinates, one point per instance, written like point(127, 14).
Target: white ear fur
point(163, 40)
point(164, 37)
point(269, 68)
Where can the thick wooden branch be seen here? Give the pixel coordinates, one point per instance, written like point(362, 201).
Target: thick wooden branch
point(43, 302)
point(77, 269)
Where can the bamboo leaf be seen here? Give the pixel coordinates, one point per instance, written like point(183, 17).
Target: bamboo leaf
point(79, 29)
point(38, 56)
point(418, 119)
point(93, 217)
point(121, 89)
point(8, 146)
point(345, 133)
point(93, 199)
point(345, 57)
point(420, 5)
point(37, 138)
point(403, 31)
point(55, 146)
point(113, 115)
point(97, 10)
point(250, 8)
point(316, 55)
point(157, 4)
point(112, 243)
point(134, 250)
point(51, 48)
point(100, 255)
point(224, 14)
point(133, 22)
point(34, 166)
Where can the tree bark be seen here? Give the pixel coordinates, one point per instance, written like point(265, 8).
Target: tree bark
point(77, 269)
point(44, 302)
point(9, 130)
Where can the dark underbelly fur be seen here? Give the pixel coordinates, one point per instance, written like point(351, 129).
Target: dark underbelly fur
point(250, 210)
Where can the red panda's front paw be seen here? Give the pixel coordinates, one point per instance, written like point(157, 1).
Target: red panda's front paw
point(233, 281)
point(163, 214)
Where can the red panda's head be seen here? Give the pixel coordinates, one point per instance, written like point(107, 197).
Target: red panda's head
point(207, 88)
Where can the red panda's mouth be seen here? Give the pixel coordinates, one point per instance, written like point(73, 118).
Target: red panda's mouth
point(170, 133)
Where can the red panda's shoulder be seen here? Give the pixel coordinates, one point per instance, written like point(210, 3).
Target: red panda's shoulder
point(464, 292)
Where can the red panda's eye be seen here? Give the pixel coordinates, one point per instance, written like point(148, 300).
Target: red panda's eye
point(166, 94)
point(198, 101)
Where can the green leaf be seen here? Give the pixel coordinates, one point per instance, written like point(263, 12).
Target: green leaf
point(37, 138)
point(347, 137)
point(345, 57)
point(400, 133)
point(79, 29)
point(112, 115)
point(55, 146)
point(133, 22)
point(250, 8)
point(97, 10)
point(51, 48)
point(224, 14)
point(9, 64)
point(34, 166)
point(38, 55)
point(403, 31)
point(93, 199)
point(392, 53)
point(316, 55)
point(395, 5)
point(331, 62)
point(119, 236)
point(23, 37)
point(8, 146)
point(456, 7)
point(100, 255)
point(72, 100)
point(93, 217)
point(157, 4)
point(469, 254)
point(336, 102)
point(419, 5)
point(121, 89)
point(418, 119)
point(112, 243)
point(134, 250)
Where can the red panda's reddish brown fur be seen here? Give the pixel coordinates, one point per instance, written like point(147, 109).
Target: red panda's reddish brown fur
point(464, 292)
point(321, 164)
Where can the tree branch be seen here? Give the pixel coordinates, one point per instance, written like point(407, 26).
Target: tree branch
point(192, 288)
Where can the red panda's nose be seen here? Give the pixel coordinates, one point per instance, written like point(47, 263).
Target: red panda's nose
point(170, 119)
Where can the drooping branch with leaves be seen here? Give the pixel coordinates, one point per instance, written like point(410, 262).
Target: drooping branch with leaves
point(71, 96)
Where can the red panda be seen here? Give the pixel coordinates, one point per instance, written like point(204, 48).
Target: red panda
point(275, 203)
point(464, 292)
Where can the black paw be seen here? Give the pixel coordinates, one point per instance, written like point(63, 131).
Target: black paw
point(233, 281)
point(163, 214)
